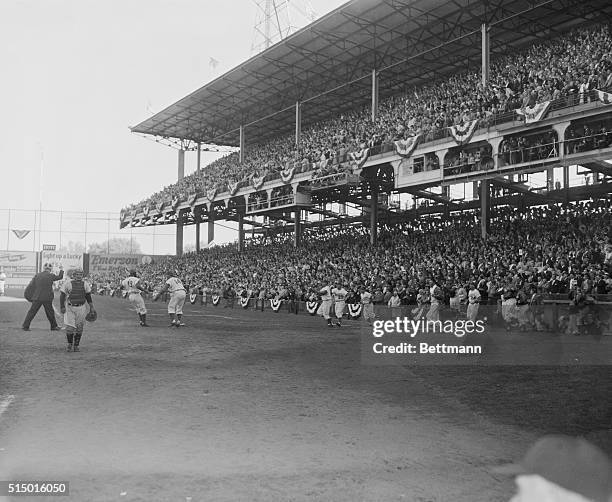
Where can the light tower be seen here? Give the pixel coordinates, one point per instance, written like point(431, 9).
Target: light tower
point(277, 19)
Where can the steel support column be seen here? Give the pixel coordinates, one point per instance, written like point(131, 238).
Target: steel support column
point(240, 232)
point(181, 164)
point(485, 53)
point(242, 152)
point(298, 122)
point(297, 233)
point(485, 208)
point(196, 216)
point(211, 226)
point(374, 95)
point(566, 183)
point(179, 233)
point(374, 217)
point(199, 158)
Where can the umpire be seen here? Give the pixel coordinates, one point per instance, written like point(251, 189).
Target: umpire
point(40, 293)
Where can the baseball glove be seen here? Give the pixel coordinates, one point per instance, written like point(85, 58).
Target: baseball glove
point(91, 316)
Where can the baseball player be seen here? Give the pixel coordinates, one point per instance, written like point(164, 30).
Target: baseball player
point(474, 298)
point(134, 288)
point(340, 301)
point(326, 301)
point(2, 281)
point(368, 307)
point(177, 299)
point(74, 294)
point(436, 298)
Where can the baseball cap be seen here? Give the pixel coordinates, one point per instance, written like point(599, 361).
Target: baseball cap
point(572, 463)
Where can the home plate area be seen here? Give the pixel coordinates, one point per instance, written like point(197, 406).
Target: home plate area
point(251, 405)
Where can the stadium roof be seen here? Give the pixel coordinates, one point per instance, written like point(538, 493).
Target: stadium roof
point(327, 65)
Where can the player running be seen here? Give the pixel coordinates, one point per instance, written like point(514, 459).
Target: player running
point(340, 294)
point(177, 299)
point(326, 301)
point(134, 288)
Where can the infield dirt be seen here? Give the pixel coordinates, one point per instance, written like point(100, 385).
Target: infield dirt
point(247, 405)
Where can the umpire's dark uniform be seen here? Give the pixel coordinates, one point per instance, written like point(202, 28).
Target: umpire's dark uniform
point(43, 295)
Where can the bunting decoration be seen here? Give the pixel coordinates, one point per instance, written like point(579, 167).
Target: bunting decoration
point(604, 97)
point(287, 174)
point(312, 307)
point(355, 310)
point(133, 216)
point(210, 194)
point(275, 304)
point(21, 234)
point(192, 200)
point(244, 302)
point(123, 215)
point(160, 206)
point(145, 211)
point(232, 187)
point(360, 157)
point(406, 147)
point(175, 203)
point(534, 113)
point(215, 300)
point(257, 181)
point(463, 133)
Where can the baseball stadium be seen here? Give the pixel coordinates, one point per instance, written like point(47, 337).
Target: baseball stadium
point(417, 306)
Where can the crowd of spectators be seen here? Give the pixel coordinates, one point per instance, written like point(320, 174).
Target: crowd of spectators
point(528, 147)
point(545, 250)
point(590, 136)
point(463, 160)
point(567, 67)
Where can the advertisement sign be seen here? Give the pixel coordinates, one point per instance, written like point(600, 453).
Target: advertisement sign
point(56, 258)
point(19, 267)
point(109, 263)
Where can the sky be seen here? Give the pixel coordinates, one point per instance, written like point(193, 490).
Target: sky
point(76, 74)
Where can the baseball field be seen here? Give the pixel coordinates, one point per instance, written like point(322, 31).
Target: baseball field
point(247, 405)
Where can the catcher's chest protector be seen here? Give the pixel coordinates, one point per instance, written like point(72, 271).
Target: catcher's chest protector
point(77, 292)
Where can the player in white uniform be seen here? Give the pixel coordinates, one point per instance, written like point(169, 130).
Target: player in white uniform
point(340, 302)
point(326, 301)
point(2, 281)
point(474, 298)
point(134, 288)
point(368, 307)
point(177, 299)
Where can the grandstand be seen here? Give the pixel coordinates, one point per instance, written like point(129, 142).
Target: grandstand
point(340, 112)
point(398, 162)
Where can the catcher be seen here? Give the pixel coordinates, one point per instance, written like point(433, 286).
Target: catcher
point(74, 293)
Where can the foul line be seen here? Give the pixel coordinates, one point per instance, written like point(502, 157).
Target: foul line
point(5, 403)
